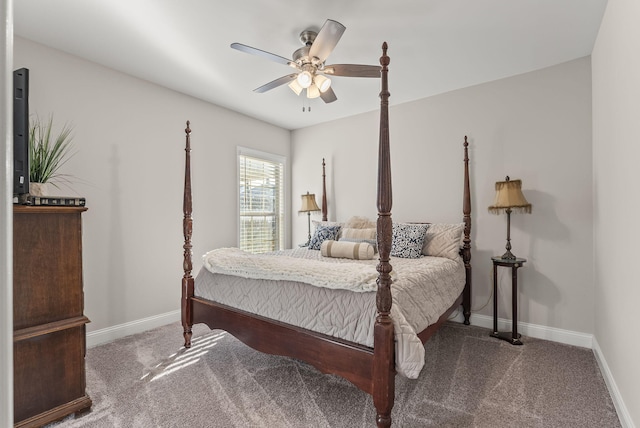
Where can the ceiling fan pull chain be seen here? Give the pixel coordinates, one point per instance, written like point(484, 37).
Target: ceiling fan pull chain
point(306, 108)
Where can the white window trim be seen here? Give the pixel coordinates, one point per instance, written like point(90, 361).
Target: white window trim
point(245, 151)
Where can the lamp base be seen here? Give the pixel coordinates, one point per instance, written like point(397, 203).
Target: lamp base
point(508, 255)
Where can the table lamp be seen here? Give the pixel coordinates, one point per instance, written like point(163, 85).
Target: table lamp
point(309, 205)
point(509, 197)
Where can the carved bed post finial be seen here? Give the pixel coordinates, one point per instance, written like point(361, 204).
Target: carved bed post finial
point(324, 193)
point(385, 197)
point(187, 227)
point(466, 247)
point(383, 348)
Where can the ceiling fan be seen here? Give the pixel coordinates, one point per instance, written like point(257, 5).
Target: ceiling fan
point(311, 72)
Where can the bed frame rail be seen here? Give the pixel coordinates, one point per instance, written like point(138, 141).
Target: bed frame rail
point(326, 353)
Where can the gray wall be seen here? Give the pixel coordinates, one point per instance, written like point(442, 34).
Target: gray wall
point(129, 136)
point(616, 91)
point(535, 126)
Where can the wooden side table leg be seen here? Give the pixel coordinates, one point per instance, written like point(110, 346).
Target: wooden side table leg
point(495, 300)
point(515, 337)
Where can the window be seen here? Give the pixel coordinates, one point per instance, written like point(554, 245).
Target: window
point(261, 201)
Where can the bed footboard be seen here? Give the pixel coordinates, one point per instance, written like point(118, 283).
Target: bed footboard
point(328, 354)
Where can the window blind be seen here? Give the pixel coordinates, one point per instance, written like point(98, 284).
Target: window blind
point(261, 192)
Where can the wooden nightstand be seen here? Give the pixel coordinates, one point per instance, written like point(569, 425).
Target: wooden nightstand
point(513, 337)
point(48, 315)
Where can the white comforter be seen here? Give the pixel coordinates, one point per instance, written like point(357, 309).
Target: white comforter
point(347, 276)
point(321, 300)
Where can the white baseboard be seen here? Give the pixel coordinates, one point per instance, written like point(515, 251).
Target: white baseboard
point(568, 337)
point(104, 335)
point(618, 402)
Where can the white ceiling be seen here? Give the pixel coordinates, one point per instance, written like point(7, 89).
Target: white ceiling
point(435, 45)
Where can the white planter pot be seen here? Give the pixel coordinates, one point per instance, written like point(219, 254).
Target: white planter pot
point(39, 189)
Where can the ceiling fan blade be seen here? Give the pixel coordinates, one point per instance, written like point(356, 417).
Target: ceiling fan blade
point(275, 83)
point(327, 39)
point(352, 70)
point(264, 54)
point(328, 96)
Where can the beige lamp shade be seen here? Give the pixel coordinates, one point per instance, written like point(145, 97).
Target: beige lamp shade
point(509, 196)
point(309, 203)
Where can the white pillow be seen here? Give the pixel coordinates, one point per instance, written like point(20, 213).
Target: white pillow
point(368, 233)
point(348, 250)
point(359, 235)
point(443, 240)
point(357, 222)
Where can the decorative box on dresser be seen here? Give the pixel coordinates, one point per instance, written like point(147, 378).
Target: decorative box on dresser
point(48, 321)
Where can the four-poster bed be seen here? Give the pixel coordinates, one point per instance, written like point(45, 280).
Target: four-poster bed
point(370, 368)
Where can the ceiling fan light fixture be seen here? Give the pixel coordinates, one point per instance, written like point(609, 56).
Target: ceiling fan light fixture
point(295, 86)
point(313, 91)
point(305, 79)
point(323, 83)
point(309, 62)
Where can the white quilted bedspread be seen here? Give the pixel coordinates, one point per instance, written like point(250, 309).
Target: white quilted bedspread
point(422, 290)
point(347, 276)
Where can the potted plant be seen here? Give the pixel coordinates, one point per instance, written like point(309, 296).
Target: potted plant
point(47, 154)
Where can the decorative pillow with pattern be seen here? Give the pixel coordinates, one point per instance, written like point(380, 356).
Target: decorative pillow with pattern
point(443, 240)
point(408, 240)
point(323, 233)
point(317, 223)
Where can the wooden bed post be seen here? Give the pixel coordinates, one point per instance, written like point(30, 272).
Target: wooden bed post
point(324, 193)
point(383, 381)
point(187, 227)
point(466, 248)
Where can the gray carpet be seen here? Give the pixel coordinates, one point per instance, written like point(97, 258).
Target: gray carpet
point(470, 380)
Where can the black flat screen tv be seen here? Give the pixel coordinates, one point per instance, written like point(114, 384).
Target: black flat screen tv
point(21, 133)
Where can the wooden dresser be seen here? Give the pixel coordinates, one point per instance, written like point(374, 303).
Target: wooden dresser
point(48, 320)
